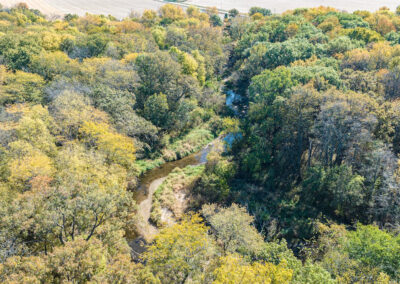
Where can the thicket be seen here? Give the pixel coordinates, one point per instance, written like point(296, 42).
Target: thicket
point(307, 191)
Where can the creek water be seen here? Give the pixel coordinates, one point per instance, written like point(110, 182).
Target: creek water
point(165, 169)
point(194, 159)
point(151, 180)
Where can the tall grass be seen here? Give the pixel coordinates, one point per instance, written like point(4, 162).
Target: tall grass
point(191, 143)
point(178, 183)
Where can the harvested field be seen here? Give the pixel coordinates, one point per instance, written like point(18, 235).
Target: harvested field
point(121, 8)
point(117, 8)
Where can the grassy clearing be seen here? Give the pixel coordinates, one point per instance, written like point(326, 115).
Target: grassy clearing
point(143, 166)
point(171, 194)
point(191, 143)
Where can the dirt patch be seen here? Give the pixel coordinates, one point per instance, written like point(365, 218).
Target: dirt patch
point(172, 194)
point(167, 217)
point(144, 227)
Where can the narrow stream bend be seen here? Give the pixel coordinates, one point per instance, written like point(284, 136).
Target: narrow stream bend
point(151, 180)
point(149, 183)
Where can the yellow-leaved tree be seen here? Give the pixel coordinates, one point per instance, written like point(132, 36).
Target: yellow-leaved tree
point(234, 269)
point(181, 252)
point(116, 147)
point(78, 261)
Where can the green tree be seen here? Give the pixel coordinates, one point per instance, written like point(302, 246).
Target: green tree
point(216, 20)
point(336, 191)
point(158, 74)
point(233, 229)
point(376, 248)
point(21, 87)
point(269, 84)
point(262, 11)
point(49, 65)
point(214, 183)
point(18, 51)
point(156, 110)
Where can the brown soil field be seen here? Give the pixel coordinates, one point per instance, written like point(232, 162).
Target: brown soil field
point(122, 8)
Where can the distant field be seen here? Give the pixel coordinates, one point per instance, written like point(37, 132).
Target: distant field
point(117, 8)
point(279, 6)
point(121, 8)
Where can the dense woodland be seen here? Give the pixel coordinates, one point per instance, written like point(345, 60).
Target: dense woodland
point(306, 191)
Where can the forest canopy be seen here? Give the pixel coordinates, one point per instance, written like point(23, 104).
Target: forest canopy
point(301, 112)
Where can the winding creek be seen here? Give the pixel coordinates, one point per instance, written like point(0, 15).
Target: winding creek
point(151, 180)
point(149, 183)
